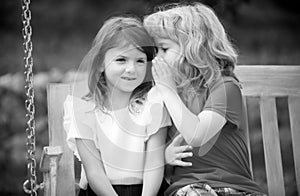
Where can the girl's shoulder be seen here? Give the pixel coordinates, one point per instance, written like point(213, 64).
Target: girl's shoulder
point(154, 95)
point(78, 104)
point(80, 110)
point(155, 114)
point(152, 105)
point(154, 98)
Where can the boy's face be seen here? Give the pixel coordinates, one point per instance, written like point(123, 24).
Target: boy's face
point(125, 68)
point(168, 50)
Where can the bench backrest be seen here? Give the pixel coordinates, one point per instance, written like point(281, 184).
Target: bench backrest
point(56, 95)
point(264, 82)
point(268, 83)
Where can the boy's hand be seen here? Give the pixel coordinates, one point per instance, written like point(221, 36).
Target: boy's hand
point(175, 152)
point(162, 74)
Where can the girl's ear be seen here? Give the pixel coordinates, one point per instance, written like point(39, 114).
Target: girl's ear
point(101, 69)
point(101, 76)
point(100, 72)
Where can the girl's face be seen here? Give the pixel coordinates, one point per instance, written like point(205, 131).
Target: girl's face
point(168, 50)
point(125, 68)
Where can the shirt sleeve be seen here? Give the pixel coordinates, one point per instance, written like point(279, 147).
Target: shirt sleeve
point(77, 123)
point(226, 99)
point(156, 114)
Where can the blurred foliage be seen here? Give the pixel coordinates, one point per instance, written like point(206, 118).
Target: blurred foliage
point(12, 125)
point(265, 32)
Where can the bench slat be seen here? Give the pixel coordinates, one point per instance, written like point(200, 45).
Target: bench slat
point(294, 111)
point(271, 143)
point(65, 174)
point(247, 134)
point(269, 80)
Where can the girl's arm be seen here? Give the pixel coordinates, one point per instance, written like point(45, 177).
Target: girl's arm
point(94, 168)
point(154, 163)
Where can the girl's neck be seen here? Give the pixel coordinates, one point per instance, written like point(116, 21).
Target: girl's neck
point(117, 101)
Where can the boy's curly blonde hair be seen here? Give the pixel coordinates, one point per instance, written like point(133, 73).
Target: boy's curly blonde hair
point(207, 52)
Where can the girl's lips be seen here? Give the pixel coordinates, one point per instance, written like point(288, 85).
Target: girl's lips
point(128, 78)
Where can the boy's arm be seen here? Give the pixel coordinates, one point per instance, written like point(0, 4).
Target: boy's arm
point(93, 166)
point(154, 163)
point(196, 130)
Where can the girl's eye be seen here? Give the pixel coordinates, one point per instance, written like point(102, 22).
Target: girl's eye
point(141, 61)
point(121, 60)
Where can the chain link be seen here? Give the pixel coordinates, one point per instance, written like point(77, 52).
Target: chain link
point(29, 102)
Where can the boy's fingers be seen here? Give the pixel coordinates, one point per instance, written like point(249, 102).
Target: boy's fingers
point(164, 67)
point(183, 148)
point(184, 155)
point(181, 163)
point(154, 73)
point(154, 64)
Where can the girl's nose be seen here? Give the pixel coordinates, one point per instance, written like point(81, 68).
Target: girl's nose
point(130, 68)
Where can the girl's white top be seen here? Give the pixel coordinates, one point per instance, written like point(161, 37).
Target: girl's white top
point(120, 136)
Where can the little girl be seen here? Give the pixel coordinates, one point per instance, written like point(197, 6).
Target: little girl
point(118, 129)
point(193, 72)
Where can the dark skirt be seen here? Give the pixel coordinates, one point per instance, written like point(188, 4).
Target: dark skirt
point(121, 190)
point(125, 190)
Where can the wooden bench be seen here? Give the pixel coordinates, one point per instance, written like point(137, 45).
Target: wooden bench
point(263, 82)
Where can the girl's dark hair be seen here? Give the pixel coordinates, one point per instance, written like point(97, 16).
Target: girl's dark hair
point(139, 95)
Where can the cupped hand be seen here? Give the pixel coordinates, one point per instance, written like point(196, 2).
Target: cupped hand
point(174, 153)
point(162, 73)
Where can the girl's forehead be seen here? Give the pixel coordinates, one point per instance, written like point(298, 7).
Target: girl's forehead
point(125, 50)
point(127, 45)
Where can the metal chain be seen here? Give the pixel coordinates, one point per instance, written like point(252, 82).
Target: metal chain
point(29, 102)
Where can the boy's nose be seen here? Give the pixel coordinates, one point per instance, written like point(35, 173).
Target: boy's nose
point(159, 54)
